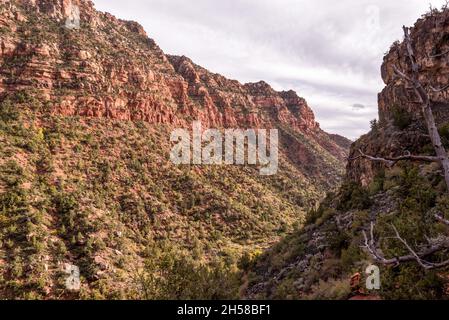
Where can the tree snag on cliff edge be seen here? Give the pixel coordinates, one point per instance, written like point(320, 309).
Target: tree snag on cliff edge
point(426, 107)
point(440, 243)
point(422, 93)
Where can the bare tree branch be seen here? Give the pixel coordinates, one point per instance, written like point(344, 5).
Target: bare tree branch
point(439, 55)
point(422, 263)
point(442, 243)
point(391, 161)
point(439, 89)
point(402, 74)
point(441, 219)
point(436, 246)
point(423, 96)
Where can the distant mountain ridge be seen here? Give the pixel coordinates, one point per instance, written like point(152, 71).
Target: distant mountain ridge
point(103, 81)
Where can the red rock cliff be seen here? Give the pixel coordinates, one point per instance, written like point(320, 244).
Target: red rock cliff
point(110, 68)
point(400, 128)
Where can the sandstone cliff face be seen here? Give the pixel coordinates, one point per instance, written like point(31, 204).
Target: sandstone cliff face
point(398, 102)
point(109, 68)
point(90, 72)
point(227, 103)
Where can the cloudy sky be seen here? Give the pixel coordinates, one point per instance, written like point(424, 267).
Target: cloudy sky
point(328, 51)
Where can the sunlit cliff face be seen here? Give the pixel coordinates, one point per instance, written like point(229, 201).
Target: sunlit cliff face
point(329, 53)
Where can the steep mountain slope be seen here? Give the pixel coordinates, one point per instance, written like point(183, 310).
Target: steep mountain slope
point(85, 176)
point(319, 260)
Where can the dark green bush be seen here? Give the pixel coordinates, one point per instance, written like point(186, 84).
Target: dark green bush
point(353, 197)
point(444, 133)
point(8, 112)
point(411, 282)
point(173, 275)
point(401, 118)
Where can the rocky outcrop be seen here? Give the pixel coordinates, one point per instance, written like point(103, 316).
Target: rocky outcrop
point(229, 103)
point(400, 127)
point(341, 141)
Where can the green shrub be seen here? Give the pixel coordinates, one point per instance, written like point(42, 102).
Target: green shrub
point(377, 185)
point(11, 173)
point(8, 112)
point(339, 242)
point(350, 256)
point(353, 197)
point(411, 282)
point(401, 118)
point(331, 290)
point(172, 275)
point(444, 133)
point(374, 124)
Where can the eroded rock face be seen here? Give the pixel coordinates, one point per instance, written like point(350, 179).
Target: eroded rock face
point(430, 37)
point(59, 9)
point(109, 68)
point(229, 103)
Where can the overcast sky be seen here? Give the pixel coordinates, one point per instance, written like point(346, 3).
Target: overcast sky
point(328, 51)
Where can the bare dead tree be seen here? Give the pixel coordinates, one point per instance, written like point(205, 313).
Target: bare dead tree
point(391, 161)
point(439, 55)
point(434, 246)
point(441, 219)
point(423, 97)
point(422, 93)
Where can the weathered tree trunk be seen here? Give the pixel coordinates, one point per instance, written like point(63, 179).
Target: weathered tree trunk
point(426, 108)
point(440, 243)
point(436, 141)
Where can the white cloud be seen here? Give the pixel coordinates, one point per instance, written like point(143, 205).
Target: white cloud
point(328, 51)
